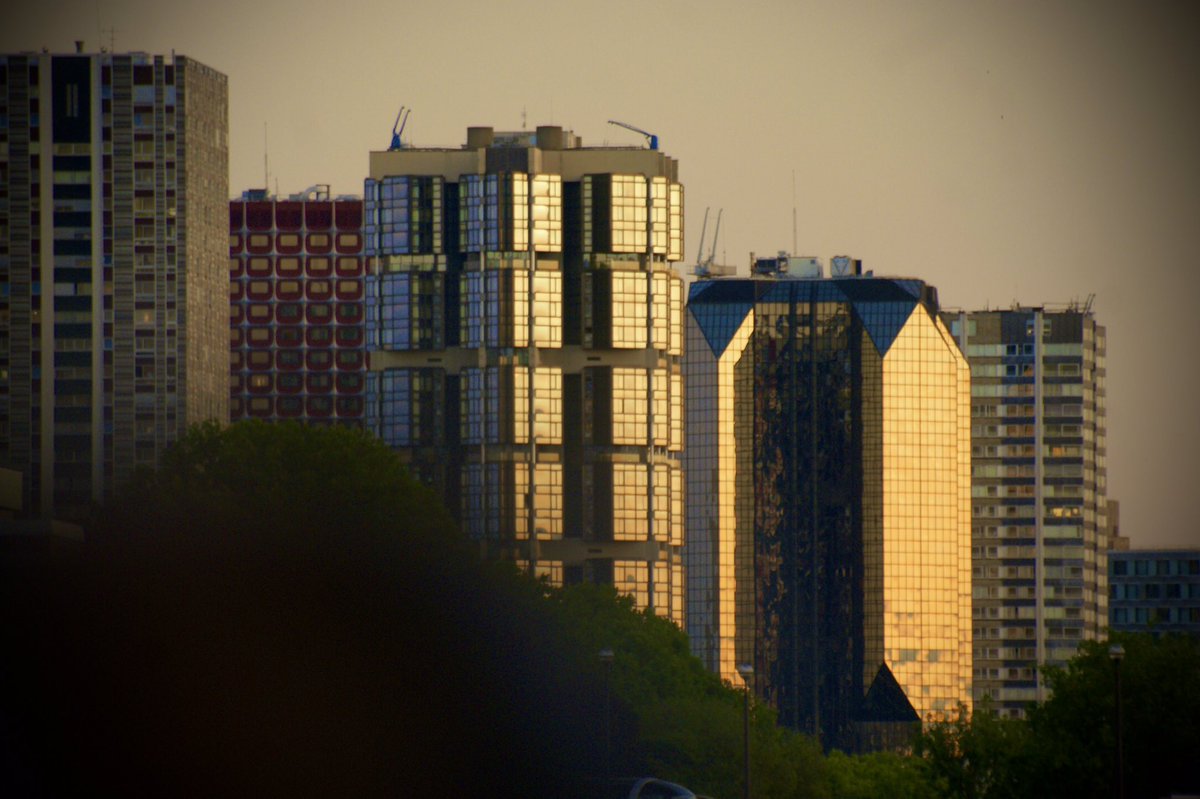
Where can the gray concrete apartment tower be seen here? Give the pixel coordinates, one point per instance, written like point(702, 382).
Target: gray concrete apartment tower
point(1039, 529)
point(114, 281)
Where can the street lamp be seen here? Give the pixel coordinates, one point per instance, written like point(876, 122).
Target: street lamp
point(747, 672)
point(1115, 653)
point(606, 657)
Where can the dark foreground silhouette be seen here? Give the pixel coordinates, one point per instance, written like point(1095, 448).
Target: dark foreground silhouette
point(211, 640)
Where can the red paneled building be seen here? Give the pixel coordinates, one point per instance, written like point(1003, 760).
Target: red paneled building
point(296, 325)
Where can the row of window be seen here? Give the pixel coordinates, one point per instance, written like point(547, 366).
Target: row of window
point(316, 336)
point(286, 360)
point(1026, 490)
point(1023, 430)
point(1133, 591)
point(1028, 450)
point(1051, 408)
point(1026, 390)
point(318, 407)
point(1023, 370)
point(290, 215)
point(296, 383)
point(294, 313)
point(1155, 616)
point(295, 243)
point(1153, 567)
point(295, 266)
point(985, 470)
point(1020, 350)
point(514, 211)
point(292, 290)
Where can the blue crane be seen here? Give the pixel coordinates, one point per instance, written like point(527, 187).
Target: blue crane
point(651, 139)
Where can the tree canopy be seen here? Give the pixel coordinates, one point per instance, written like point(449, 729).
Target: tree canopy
point(282, 609)
point(1068, 745)
point(277, 609)
point(1075, 731)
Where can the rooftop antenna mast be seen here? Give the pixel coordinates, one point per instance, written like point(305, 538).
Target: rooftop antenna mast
point(704, 265)
point(651, 139)
point(701, 269)
point(712, 254)
point(398, 128)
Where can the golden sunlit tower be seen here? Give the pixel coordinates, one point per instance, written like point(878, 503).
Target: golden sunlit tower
point(828, 446)
point(1039, 493)
point(114, 314)
point(525, 335)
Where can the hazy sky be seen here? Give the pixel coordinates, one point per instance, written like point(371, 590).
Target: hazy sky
point(1037, 152)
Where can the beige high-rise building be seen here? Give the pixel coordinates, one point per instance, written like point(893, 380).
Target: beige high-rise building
point(114, 322)
point(525, 337)
point(1039, 493)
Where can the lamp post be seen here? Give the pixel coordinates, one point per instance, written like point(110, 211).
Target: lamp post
point(747, 672)
point(1115, 653)
point(606, 657)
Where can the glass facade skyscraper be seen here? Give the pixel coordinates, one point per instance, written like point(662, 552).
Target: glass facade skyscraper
point(1038, 507)
point(828, 442)
point(525, 334)
point(114, 310)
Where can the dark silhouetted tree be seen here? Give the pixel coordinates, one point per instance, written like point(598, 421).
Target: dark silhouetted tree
point(975, 755)
point(280, 610)
point(1075, 731)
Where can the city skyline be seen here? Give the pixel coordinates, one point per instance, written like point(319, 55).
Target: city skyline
point(1002, 153)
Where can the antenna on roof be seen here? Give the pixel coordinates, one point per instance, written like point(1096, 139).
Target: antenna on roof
point(398, 128)
point(706, 265)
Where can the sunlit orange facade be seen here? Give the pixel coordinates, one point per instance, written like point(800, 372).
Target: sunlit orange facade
point(828, 451)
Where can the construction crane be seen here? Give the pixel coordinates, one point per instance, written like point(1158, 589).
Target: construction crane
point(398, 128)
point(705, 265)
point(651, 139)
